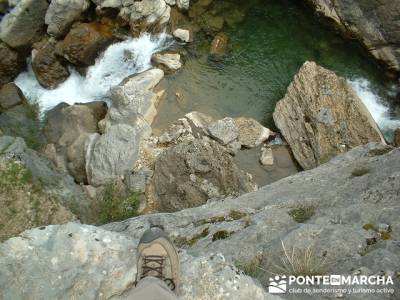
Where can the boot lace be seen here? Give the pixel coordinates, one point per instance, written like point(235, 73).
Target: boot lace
point(153, 265)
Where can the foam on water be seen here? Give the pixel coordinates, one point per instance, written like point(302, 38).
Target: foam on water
point(119, 61)
point(379, 111)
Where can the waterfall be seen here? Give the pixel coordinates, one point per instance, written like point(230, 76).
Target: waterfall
point(379, 111)
point(119, 61)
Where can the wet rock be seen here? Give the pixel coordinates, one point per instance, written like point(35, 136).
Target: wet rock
point(374, 23)
point(24, 25)
point(190, 173)
point(182, 35)
point(219, 45)
point(148, 15)
point(50, 69)
point(10, 96)
point(114, 153)
point(224, 131)
point(396, 140)
point(251, 133)
point(11, 63)
point(321, 116)
point(109, 3)
point(61, 14)
point(168, 62)
point(67, 128)
point(134, 99)
point(85, 42)
point(267, 157)
point(183, 4)
point(212, 24)
point(3, 7)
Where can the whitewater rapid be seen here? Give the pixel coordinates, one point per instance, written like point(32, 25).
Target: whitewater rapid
point(133, 56)
point(119, 61)
point(375, 104)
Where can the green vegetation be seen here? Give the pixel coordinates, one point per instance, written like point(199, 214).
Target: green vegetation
point(116, 206)
point(302, 213)
point(232, 216)
point(360, 171)
point(182, 242)
point(384, 235)
point(222, 234)
point(380, 151)
point(251, 267)
point(13, 175)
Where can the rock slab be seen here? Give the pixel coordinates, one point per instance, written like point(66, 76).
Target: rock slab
point(321, 116)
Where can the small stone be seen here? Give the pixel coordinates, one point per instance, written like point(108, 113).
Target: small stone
point(251, 132)
point(182, 34)
point(267, 157)
point(168, 62)
point(224, 131)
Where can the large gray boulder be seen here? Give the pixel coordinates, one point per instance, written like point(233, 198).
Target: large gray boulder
point(102, 265)
point(134, 99)
point(24, 25)
point(67, 128)
point(321, 116)
point(190, 173)
point(113, 153)
point(374, 23)
point(345, 228)
point(143, 15)
point(61, 14)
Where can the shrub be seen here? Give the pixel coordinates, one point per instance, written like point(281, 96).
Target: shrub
point(361, 171)
point(302, 213)
point(116, 206)
point(300, 262)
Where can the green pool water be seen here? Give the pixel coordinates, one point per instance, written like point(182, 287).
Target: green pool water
point(267, 48)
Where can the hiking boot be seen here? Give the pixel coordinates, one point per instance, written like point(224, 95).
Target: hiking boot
point(157, 257)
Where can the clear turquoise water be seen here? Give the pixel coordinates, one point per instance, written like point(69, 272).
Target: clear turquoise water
point(267, 49)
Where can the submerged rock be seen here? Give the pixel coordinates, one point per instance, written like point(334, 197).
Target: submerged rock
point(24, 25)
point(267, 156)
point(182, 35)
point(374, 23)
point(321, 116)
point(50, 70)
point(219, 45)
point(190, 173)
point(11, 63)
point(85, 42)
point(168, 62)
point(61, 14)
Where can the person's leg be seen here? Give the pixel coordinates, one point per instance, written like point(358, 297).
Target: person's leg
point(151, 288)
point(158, 267)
